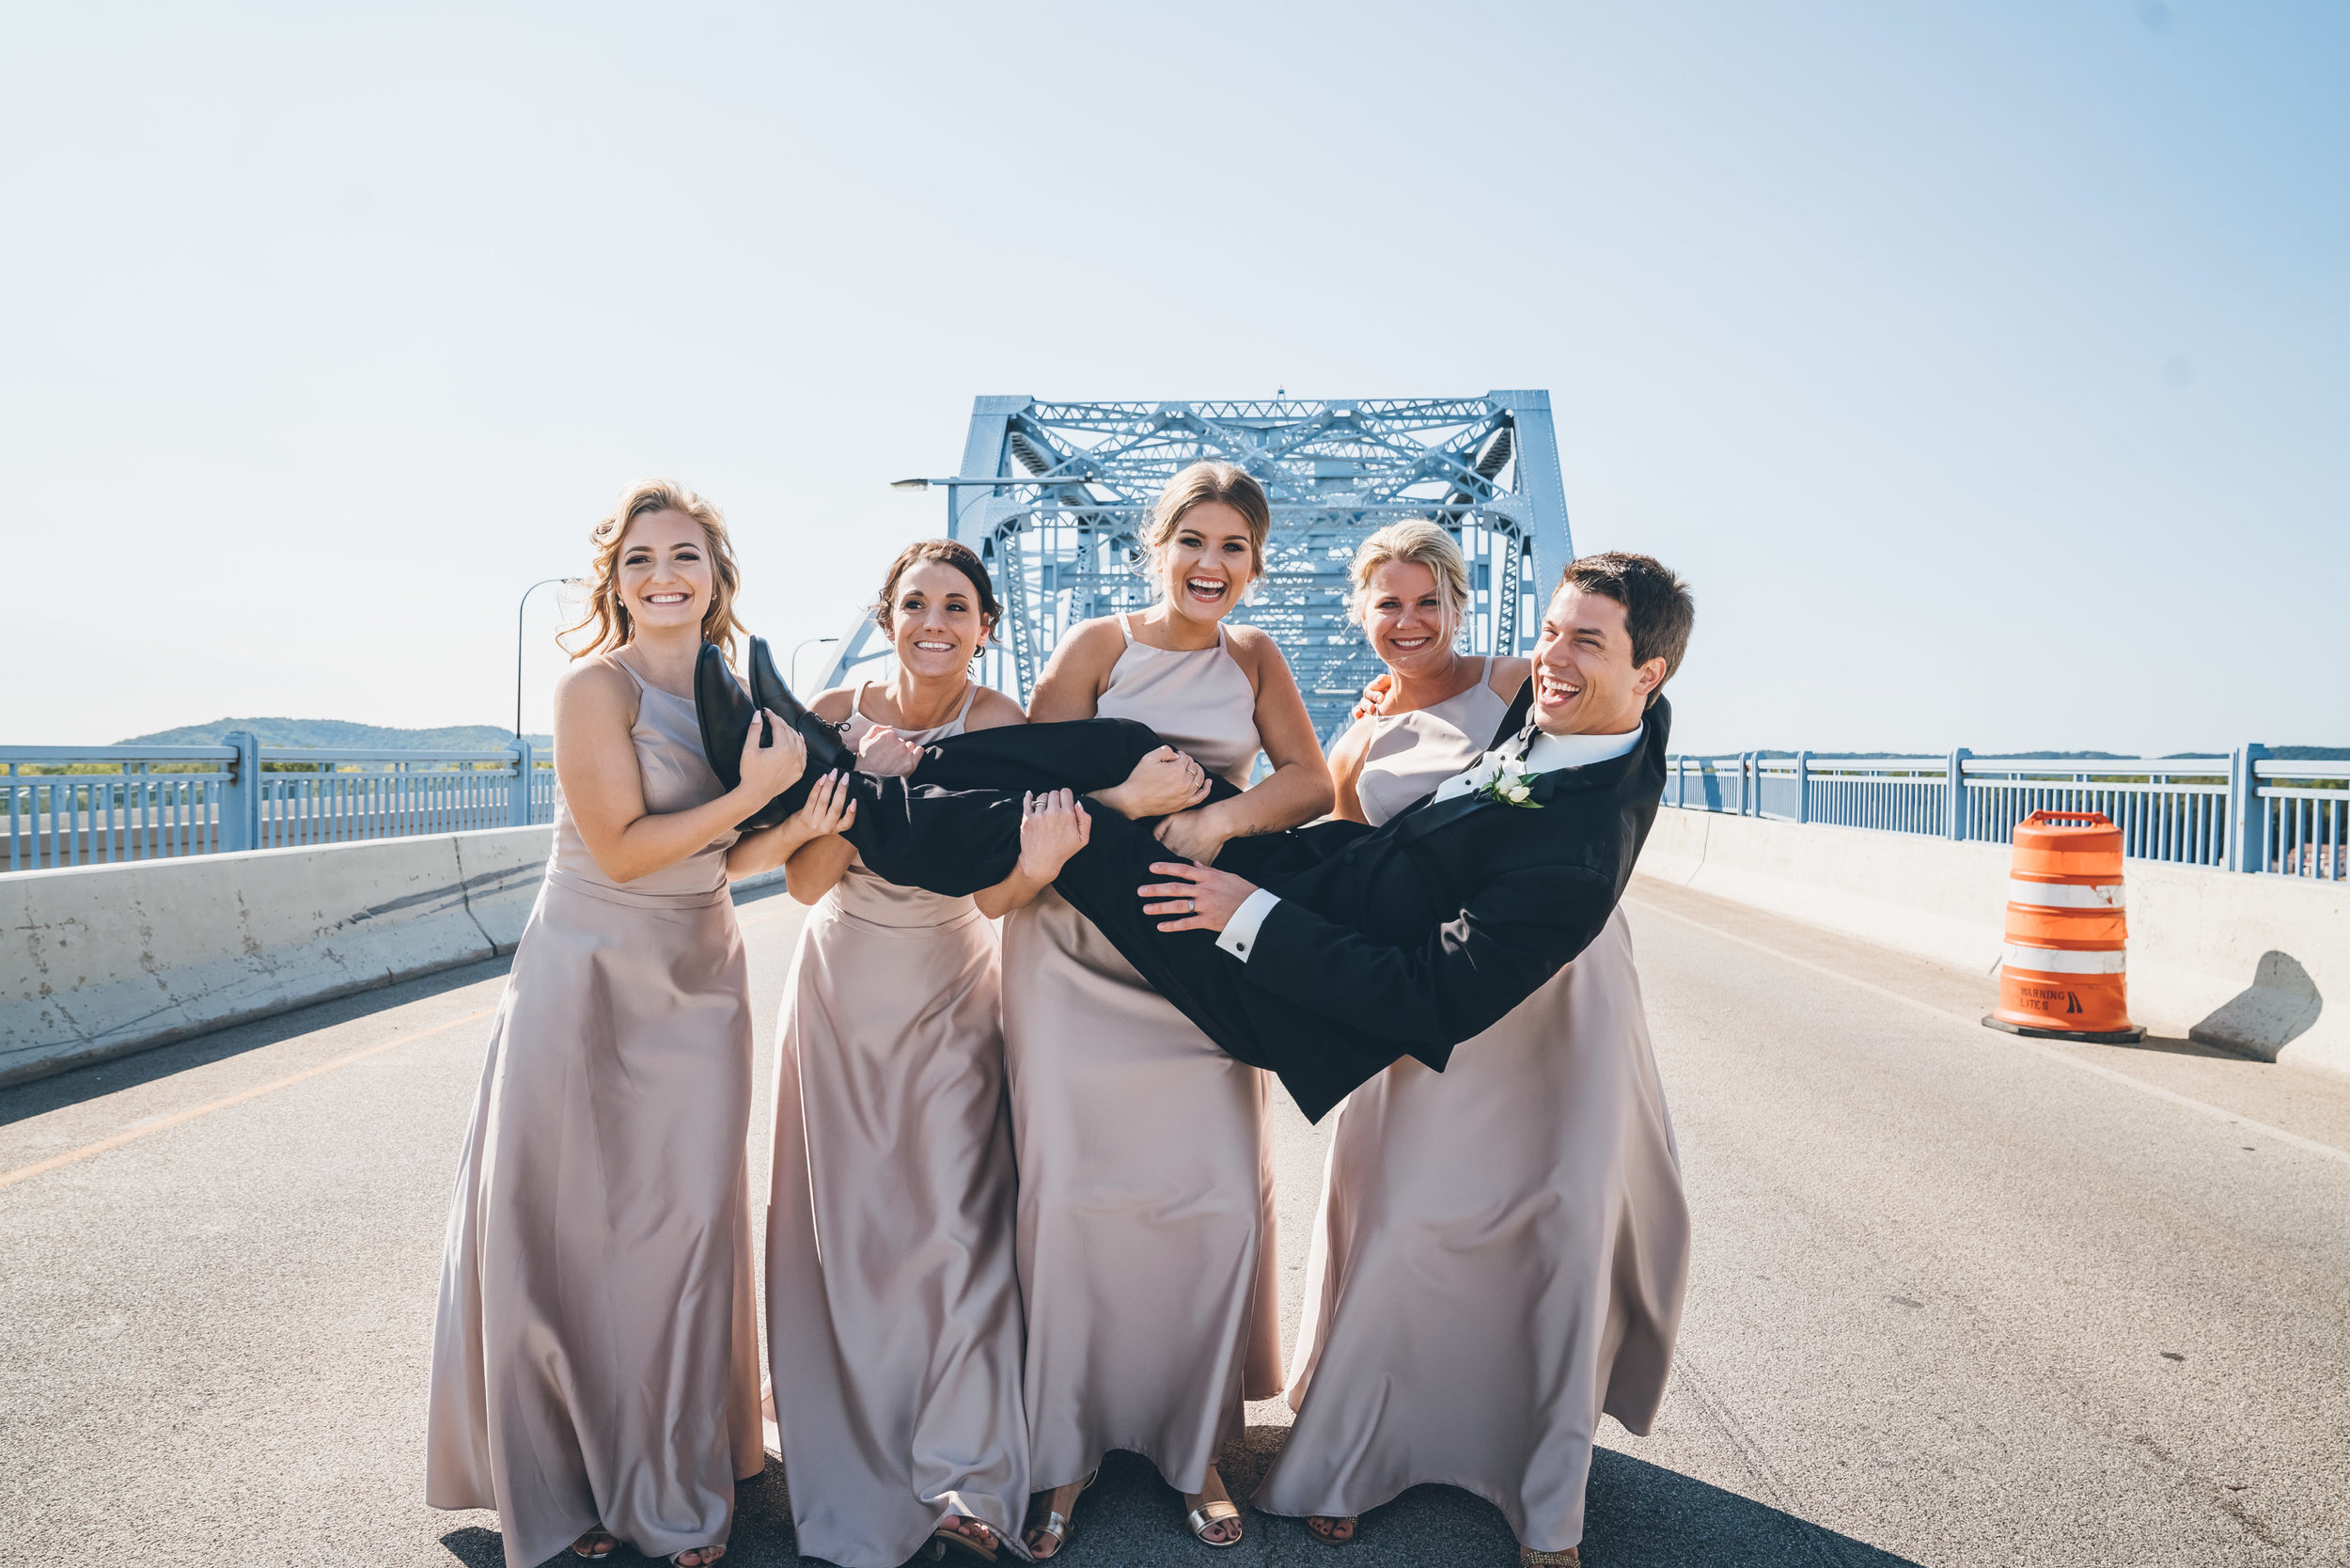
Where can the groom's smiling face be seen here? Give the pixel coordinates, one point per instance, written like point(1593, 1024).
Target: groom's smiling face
point(1585, 682)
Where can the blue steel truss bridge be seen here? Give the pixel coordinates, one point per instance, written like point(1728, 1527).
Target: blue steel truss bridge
point(1054, 497)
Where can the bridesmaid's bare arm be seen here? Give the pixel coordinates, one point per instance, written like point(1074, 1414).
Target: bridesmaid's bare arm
point(811, 868)
point(1297, 790)
point(1051, 829)
point(1077, 673)
point(603, 790)
point(1347, 754)
point(822, 818)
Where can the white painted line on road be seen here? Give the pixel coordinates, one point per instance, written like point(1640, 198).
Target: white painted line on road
point(150, 1126)
point(1975, 1030)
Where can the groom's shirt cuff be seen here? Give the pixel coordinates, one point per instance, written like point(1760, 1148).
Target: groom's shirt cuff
point(1239, 937)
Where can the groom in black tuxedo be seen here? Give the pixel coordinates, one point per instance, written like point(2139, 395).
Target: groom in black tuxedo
point(1324, 953)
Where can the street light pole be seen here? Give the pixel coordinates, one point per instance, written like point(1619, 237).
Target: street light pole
point(518, 647)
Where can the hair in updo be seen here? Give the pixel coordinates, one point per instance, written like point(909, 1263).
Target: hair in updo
point(946, 552)
point(1196, 486)
point(1422, 544)
point(607, 614)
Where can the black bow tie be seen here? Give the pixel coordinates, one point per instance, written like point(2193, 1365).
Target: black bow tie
point(1516, 747)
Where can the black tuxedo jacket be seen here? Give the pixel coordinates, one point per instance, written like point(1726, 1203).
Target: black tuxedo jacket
point(1404, 939)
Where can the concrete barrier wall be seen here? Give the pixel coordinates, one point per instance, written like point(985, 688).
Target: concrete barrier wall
point(2255, 963)
point(97, 961)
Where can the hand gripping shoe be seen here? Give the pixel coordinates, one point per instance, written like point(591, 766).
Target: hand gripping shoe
point(726, 713)
point(825, 752)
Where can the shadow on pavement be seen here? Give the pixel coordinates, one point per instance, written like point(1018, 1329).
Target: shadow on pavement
point(72, 1086)
point(2171, 1046)
point(1640, 1515)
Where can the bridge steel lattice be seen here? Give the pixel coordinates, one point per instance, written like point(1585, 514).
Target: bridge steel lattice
point(1054, 497)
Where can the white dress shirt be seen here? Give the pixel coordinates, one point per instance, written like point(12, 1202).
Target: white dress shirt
point(1545, 753)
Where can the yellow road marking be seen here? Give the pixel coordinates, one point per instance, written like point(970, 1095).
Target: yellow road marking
point(1982, 1036)
point(152, 1125)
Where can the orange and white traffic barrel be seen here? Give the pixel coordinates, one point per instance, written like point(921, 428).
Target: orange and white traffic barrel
point(2064, 973)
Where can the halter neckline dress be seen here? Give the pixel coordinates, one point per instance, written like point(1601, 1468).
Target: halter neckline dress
point(596, 1355)
point(1146, 1238)
point(1502, 1248)
point(893, 1308)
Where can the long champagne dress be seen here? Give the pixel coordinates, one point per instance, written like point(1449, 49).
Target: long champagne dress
point(1501, 1248)
point(596, 1356)
point(1146, 1178)
point(893, 1309)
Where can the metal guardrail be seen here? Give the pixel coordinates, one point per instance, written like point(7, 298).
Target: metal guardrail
point(2243, 812)
point(82, 806)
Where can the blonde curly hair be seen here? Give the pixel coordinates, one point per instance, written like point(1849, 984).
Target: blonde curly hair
point(607, 615)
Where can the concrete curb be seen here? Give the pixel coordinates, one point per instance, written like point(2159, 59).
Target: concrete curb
point(2239, 962)
point(102, 961)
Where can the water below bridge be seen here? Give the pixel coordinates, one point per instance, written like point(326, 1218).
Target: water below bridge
point(1958, 1298)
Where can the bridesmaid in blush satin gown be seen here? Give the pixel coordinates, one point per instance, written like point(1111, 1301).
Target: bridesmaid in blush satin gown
point(1146, 1205)
point(893, 1308)
point(595, 1362)
point(1502, 1248)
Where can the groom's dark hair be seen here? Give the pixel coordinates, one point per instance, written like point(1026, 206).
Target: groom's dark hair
point(1657, 609)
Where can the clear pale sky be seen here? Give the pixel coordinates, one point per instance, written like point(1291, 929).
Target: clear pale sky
point(1985, 366)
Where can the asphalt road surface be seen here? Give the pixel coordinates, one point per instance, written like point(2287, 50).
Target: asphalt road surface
point(1958, 1298)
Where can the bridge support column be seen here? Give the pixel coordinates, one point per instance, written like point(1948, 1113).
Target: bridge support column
point(1954, 822)
point(1803, 786)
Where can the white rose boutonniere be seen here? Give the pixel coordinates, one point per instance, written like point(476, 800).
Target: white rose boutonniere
point(1506, 785)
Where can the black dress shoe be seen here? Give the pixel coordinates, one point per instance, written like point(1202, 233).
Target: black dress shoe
point(825, 752)
point(767, 689)
point(726, 713)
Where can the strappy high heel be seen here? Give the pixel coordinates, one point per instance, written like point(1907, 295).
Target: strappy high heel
point(1207, 1514)
point(943, 1540)
point(1057, 1524)
point(1221, 1511)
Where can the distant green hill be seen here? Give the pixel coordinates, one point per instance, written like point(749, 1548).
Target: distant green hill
point(337, 735)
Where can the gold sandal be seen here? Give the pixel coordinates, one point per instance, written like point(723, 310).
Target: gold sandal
point(1212, 1513)
point(1057, 1524)
point(944, 1538)
point(1529, 1558)
point(589, 1537)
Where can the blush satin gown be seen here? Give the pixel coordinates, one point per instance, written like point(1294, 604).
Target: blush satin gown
point(1502, 1248)
point(596, 1355)
point(893, 1309)
point(1146, 1235)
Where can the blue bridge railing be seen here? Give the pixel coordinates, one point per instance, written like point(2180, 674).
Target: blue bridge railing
point(2245, 811)
point(83, 805)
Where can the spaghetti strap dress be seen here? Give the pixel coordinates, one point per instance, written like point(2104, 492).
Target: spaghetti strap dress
point(893, 1311)
point(595, 1359)
point(1502, 1248)
point(1146, 1234)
